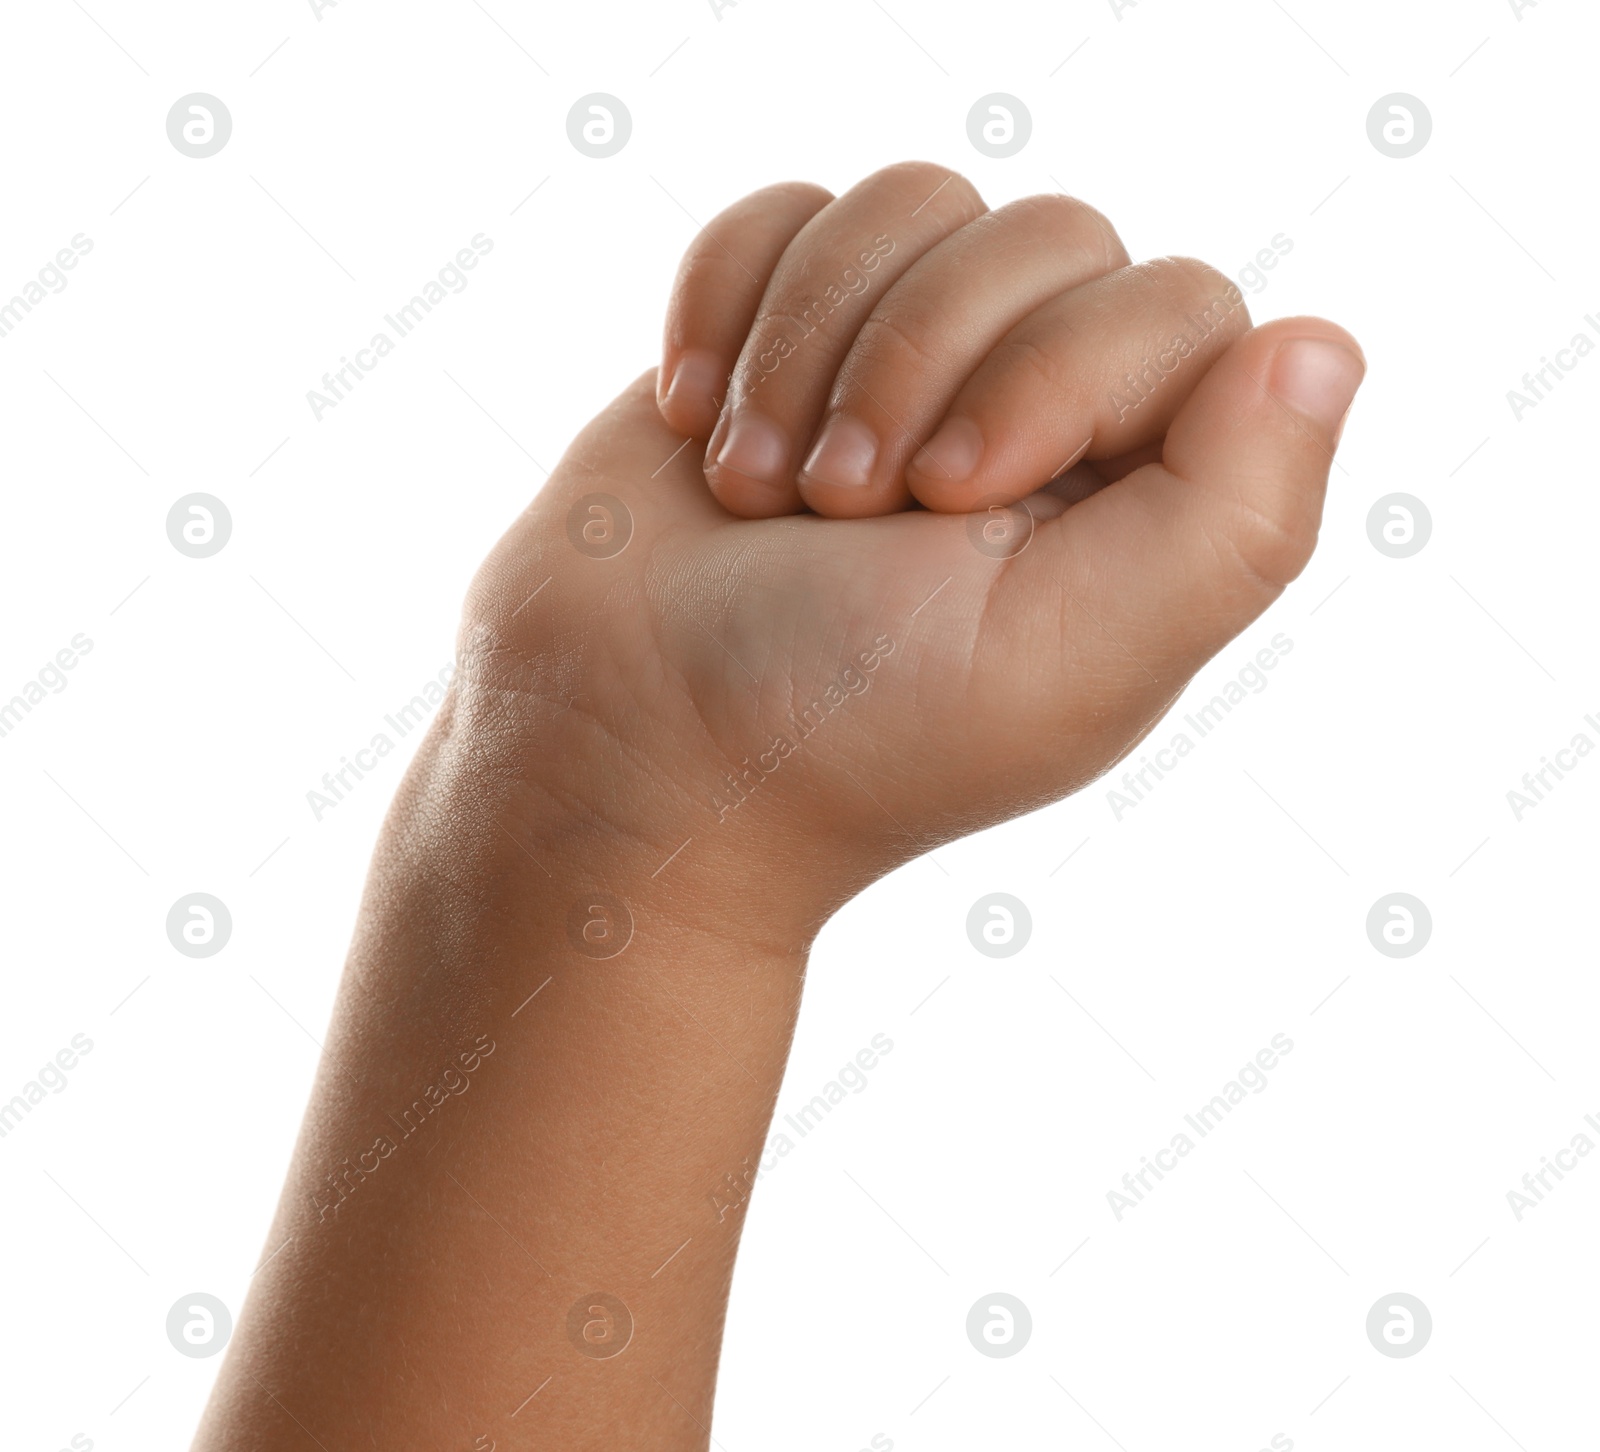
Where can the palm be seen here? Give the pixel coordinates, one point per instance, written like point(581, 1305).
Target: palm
point(727, 638)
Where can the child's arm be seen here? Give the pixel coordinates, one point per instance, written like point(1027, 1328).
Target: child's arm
point(679, 739)
point(509, 1141)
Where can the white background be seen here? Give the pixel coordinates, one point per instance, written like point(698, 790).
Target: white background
point(1226, 908)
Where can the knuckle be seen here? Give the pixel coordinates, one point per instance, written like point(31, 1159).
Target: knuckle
point(911, 174)
point(802, 193)
point(1021, 354)
point(1270, 535)
point(919, 181)
point(708, 256)
point(892, 341)
point(1077, 223)
point(703, 267)
point(1202, 289)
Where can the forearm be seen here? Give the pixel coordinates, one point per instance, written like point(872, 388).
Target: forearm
point(504, 1132)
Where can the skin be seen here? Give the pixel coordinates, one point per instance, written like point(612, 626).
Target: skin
point(949, 669)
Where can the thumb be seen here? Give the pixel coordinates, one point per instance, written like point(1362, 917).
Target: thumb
point(1177, 558)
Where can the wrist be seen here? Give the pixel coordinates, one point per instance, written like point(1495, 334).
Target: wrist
point(594, 843)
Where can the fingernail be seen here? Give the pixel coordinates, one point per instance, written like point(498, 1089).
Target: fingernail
point(1318, 378)
point(695, 381)
point(952, 453)
point(844, 454)
point(755, 447)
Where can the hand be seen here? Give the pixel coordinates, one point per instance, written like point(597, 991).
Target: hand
point(809, 698)
point(677, 691)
